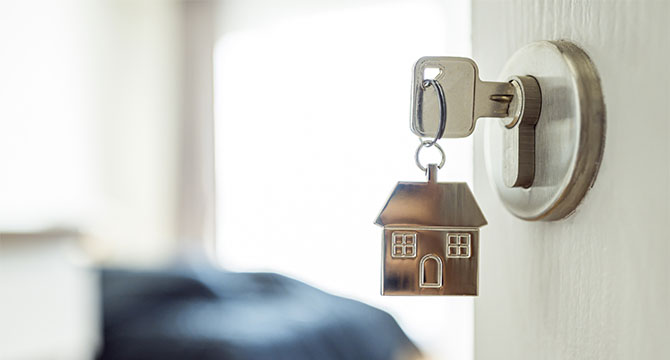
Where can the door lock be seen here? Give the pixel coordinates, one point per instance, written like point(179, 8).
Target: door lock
point(544, 151)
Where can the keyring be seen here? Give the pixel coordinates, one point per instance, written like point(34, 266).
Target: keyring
point(423, 144)
point(443, 108)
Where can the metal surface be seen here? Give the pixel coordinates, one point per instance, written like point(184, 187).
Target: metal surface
point(569, 135)
point(426, 143)
point(519, 138)
point(467, 97)
point(442, 103)
point(430, 239)
point(423, 275)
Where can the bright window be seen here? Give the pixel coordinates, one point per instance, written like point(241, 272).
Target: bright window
point(312, 134)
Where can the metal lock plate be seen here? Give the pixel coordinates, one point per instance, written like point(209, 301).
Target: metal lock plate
point(519, 133)
point(568, 138)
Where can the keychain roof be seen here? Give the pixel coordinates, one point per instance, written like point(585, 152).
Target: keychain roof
point(431, 204)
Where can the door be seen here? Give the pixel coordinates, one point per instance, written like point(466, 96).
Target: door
point(596, 284)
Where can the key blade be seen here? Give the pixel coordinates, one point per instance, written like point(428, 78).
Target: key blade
point(467, 97)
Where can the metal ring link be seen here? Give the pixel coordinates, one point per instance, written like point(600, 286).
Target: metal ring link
point(442, 104)
point(425, 143)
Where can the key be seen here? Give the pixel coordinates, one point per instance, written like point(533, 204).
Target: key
point(467, 97)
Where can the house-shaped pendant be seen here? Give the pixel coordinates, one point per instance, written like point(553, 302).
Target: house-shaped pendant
point(430, 239)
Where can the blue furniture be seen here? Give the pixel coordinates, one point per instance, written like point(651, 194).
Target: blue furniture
point(211, 314)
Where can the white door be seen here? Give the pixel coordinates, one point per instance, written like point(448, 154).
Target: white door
point(595, 285)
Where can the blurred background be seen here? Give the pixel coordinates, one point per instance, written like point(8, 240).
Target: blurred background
point(253, 134)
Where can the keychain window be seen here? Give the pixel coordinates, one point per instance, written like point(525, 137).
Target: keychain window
point(458, 245)
point(404, 245)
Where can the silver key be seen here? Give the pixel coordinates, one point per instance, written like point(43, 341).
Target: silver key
point(467, 97)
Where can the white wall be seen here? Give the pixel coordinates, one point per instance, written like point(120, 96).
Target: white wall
point(195, 210)
point(135, 52)
point(596, 285)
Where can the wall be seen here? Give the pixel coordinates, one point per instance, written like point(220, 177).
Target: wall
point(595, 285)
point(134, 50)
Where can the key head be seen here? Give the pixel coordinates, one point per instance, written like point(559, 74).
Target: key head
point(458, 78)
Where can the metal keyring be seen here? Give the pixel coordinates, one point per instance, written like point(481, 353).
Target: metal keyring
point(443, 107)
point(423, 144)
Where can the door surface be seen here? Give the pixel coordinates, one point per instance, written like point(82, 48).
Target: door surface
point(595, 285)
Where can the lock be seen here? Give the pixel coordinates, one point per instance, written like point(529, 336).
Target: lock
point(518, 165)
point(566, 139)
point(544, 144)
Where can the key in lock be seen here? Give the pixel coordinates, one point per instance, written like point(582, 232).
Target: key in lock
point(467, 98)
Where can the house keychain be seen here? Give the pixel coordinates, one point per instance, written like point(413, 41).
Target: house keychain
point(431, 229)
